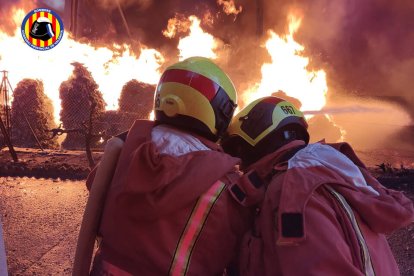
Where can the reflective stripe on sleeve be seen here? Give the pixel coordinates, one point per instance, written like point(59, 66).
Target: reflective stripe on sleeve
point(193, 229)
point(366, 259)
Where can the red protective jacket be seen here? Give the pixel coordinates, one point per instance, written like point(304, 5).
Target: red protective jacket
point(170, 215)
point(323, 214)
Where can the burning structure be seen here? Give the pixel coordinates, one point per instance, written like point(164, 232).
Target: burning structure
point(348, 63)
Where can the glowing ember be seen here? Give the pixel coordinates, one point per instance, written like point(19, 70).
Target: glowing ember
point(229, 7)
point(110, 69)
point(288, 72)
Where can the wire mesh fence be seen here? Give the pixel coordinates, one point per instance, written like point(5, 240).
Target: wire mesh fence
point(83, 118)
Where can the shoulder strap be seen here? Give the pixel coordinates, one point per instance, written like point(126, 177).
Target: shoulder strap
point(248, 190)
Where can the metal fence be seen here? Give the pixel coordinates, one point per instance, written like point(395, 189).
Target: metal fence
point(33, 125)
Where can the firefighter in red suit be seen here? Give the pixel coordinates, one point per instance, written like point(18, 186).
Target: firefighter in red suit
point(322, 213)
point(168, 210)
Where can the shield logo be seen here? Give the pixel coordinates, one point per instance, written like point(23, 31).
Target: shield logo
point(42, 29)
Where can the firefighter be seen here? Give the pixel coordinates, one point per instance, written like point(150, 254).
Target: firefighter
point(322, 213)
point(168, 209)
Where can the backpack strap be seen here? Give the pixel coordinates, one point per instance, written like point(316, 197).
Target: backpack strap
point(249, 190)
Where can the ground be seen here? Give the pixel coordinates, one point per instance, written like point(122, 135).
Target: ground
point(41, 220)
point(41, 216)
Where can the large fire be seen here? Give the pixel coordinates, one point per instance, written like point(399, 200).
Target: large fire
point(111, 68)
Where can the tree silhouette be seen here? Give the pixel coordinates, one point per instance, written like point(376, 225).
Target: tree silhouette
point(137, 97)
point(135, 102)
point(32, 111)
point(80, 100)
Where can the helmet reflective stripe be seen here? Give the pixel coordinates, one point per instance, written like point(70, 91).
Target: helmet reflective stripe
point(365, 258)
point(49, 30)
point(200, 83)
point(43, 19)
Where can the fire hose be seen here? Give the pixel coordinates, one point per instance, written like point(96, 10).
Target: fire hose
point(94, 206)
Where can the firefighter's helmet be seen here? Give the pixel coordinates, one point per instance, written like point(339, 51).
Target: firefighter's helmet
point(196, 95)
point(42, 29)
point(262, 127)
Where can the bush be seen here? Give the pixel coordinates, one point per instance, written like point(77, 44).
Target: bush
point(80, 96)
point(30, 101)
point(137, 99)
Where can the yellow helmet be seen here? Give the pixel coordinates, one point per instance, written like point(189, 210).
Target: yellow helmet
point(262, 127)
point(195, 94)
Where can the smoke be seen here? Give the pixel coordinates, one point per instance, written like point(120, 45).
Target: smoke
point(146, 20)
point(366, 47)
point(152, 24)
point(113, 4)
point(56, 5)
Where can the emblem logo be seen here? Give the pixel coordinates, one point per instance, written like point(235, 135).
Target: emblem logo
point(42, 29)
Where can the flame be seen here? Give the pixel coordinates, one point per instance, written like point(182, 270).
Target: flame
point(18, 16)
point(288, 72)
point(198, 42)
point(229, 7)
point(177, 24)
point(111, 69)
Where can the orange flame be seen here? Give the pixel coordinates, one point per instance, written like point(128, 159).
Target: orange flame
point(288, 72)
point(229, 7)
point(198, 42)
point(177, 24)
